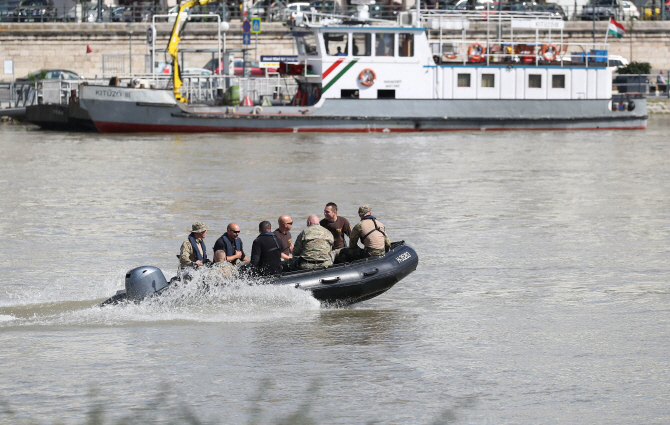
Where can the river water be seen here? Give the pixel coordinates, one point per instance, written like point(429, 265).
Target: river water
point(541, 294)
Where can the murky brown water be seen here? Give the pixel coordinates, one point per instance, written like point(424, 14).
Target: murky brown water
point(541, 294)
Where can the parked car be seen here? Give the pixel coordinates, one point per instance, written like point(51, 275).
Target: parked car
point(293, 11)
point(7, 9)
point(49, 74)
point(629, 10)
point(252, 67)
point(601, 10)
point(463, 5)
point(34, 11)
point(266, 9)
point(555, 10)
point(385, 11)
point(616, 61)
point(89, 13)
point(523, 6)
point(138, 12)
point(327, 6)
point(117, 13)
point(196, 71)
point(207, 9)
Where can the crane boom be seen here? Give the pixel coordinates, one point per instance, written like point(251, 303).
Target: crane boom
point(175, 38)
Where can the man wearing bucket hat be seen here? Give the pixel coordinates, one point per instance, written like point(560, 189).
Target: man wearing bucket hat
point(193, 251)
point(371, 233)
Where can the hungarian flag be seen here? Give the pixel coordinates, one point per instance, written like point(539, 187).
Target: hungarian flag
point(615, 29)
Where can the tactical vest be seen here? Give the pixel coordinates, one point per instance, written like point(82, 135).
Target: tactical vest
point(372, 233)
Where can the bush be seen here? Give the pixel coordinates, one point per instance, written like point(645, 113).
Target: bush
point(635, 68)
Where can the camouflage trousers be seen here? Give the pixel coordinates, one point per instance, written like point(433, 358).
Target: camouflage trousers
point(302, 264)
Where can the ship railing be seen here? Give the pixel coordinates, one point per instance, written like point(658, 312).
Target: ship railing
point(21, 94)
point(520, 52)
point(313, 17)
point(643, 84)
point(208, 88)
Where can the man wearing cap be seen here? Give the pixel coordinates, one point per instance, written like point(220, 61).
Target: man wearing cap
point(338, 226)
point(371, 232)
point(193, 252)
point(313, 245)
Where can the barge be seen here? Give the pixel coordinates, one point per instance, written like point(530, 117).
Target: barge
point(366, 75)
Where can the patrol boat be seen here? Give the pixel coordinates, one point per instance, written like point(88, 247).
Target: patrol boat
point(339, 284)
point(419, 73)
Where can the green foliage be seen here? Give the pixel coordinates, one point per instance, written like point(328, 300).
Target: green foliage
point(635, 68)
point(37, 75)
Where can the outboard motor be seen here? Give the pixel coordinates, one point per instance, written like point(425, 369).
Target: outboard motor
point(144, 281)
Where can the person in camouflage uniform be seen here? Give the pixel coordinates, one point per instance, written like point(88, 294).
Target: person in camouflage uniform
point(313, 246)
point(371, 232)
point(188, 257)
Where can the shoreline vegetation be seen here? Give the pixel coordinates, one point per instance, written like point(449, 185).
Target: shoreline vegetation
point(168, 407)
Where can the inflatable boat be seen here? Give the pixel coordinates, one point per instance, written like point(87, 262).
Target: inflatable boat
point(340, 284)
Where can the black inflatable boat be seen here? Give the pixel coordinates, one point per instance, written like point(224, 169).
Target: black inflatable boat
point(340, 284)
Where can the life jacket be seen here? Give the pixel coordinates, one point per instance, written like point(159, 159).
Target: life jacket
point(200, 257)
point(372, 243)
point(229, 244)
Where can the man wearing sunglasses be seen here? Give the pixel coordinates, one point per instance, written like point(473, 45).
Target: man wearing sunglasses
point(231, 244)
point(283, 232)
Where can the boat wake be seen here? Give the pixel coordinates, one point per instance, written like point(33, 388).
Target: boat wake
point(207, 298)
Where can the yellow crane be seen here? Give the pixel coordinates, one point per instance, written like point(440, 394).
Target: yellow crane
point(175, 38)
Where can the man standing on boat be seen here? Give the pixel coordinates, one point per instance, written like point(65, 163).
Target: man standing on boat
point(313, 245)
point(338, 226)
point(371, 232)
point(266, 251)
point(193, 252)
point(283, 232)
point(231, 244)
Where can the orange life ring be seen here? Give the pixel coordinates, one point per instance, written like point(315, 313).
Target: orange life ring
point(367, 77)
point(475, 52)
point(450, 56)
point(549, 51)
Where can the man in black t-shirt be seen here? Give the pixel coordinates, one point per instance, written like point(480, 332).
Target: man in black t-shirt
point(338, 226)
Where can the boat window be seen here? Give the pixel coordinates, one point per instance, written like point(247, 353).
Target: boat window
point(361, 44)
point(488, 80)
point(349, 94)
point(406, 42)
point(463, 80)
point(307, 45)
point(336, 43)
point(384, 45)
point(385, 94)
point(558, 81)
point(535, 81)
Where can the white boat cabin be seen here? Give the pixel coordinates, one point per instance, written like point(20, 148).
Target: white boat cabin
point(387, 61)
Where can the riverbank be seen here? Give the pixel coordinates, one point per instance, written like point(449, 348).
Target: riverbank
point(66, 45)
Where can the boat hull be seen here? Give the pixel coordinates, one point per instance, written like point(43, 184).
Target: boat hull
point(128, 110)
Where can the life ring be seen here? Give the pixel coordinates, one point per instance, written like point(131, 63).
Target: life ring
point(475, 52)
point(367, 77)
point(450, 56)
point(549, 51)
